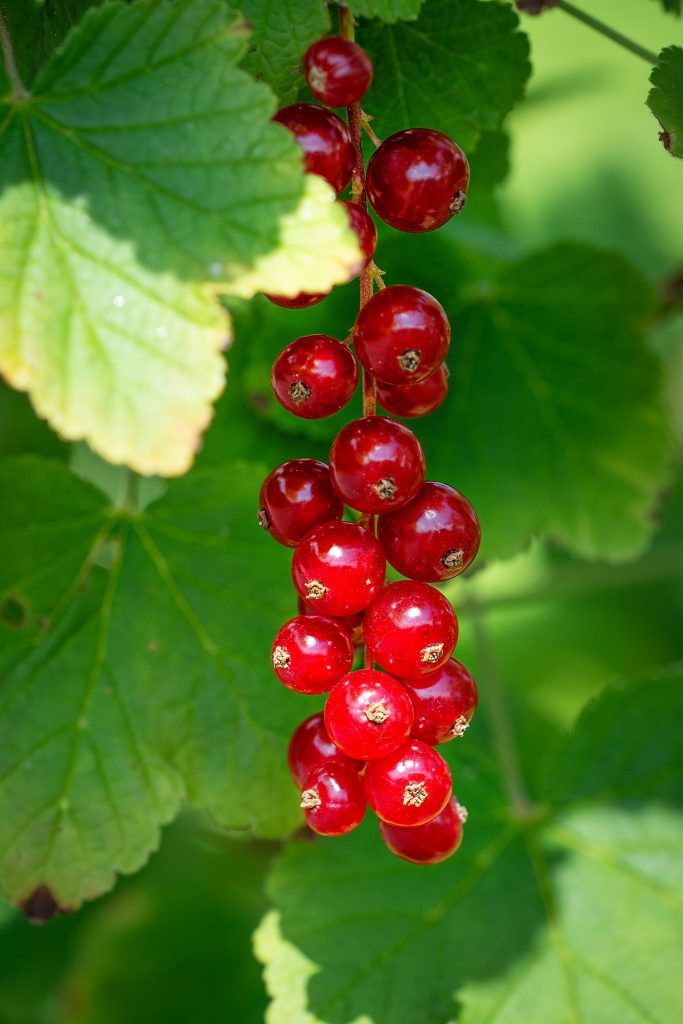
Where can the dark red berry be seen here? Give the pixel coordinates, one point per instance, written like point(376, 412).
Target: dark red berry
point(368, 714)
point(295, 497)
point(402, 335)
point(432, 538)
point(338, 71)
point(409, 786)
point(311, 746)
point(364, 226)
point(376, 464)
point(325, 140)
point(419, 399)
point(430, 843)
point(332, 799)
point(410, 629)
point(338, 568)
point(314, 376)
point(301, 301)
point(417, 179)
point(353, 624)
point(311, 652)
point(444, 703)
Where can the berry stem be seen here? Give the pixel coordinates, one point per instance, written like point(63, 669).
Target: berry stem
point(610, 33)
point(19, 90)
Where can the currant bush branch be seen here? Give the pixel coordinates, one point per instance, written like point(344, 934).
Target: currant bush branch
point(607, 31)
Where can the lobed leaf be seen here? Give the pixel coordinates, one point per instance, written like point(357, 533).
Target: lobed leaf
point(389, 11)
point(282, 32)
point(665, 99)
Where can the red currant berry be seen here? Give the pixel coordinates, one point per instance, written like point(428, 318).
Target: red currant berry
point(401, 335)
point(338, 568)
point(314, 376)
point(376, 464)
point(301, 301)
point(295, 497)
point(364, 226)
point(417, 179)
point(444, 703)
point(353, 624)
point(325, 140)
point(338, 71)
point(332, 799)
point(409, 786)
point(432, 538)
point(310, 653)
point(430, 843)
point(368, 714)
point(410, 629)
point(411, 400)
point(310, 746)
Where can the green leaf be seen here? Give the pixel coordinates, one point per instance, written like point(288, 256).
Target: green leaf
point(388, 11)
point(138, 674)
point(666, 97)
point(460, 68)
point(536, 922)
point(282, 32)
point(38, 27)
point(134, 186)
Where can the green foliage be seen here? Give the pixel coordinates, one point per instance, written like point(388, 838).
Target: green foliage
point(389, 11)
point(666, 97)
point(39, 27)
point(673, 6)
point(460, 67)
point(537, 921)
point(282, 33)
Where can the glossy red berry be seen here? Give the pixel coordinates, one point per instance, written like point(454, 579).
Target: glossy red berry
point(417, 179)
point(444, 703)
point(353, 624)
point(364, 226)
point(338, 71)
point(401, 335)
point(410, 629)
point(419, 399)
point(409, 786)
point(311, 746)
point(325, 140)
point(301, 301)
point(314, 376)
point(333, 800)
point(432, 538)
point(368, 714)
point(430, 843)
point(295, 497)
point(376, 464)
point(338, 568)
point(311, 652)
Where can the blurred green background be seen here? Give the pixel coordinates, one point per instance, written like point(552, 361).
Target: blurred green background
point(174, 942)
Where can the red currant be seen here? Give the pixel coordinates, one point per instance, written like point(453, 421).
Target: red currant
point(338, 568)
point(332, 799)
point(310, 746)
point(368, 714)
point(301, 301)
point(295, 497)
point(410, 629)
point(310, 653)
point(338, 71)
point(314, 376)
point(432, 538)
point(417, 179)
point(444, 703)
point(401, 335)
point(430, 843)
point(376, 464)
point(364, 226)
point(409, 786)
point(411, 400)
point(325, 140)
point(353, 624)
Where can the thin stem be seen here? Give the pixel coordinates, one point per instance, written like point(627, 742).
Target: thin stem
point(610, 33)
point(132, 494)
point(365, 120)
point(501, 726)
point(19, 90)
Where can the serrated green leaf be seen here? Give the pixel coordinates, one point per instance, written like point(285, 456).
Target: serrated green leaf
point(666, 97)
point(140, 676)
point(527, 924)
point(388, 11)
point(282, 32)
point(134, 185)
point(460, 68)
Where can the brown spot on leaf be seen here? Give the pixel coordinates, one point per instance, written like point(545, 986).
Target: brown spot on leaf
point(41, 906)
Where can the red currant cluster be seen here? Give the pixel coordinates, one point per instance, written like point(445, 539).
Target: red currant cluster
point(375, 742)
